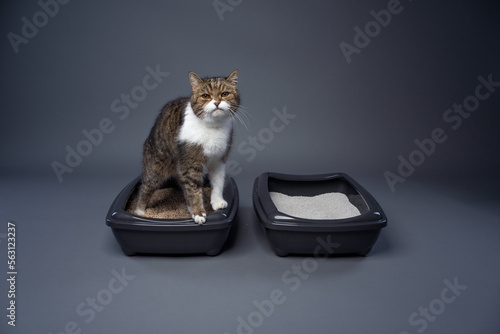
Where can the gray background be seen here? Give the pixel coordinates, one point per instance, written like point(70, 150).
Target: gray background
point(356, 117)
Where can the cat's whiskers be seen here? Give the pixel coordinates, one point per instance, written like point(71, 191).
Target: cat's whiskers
point(237, 117)
point(241, 115)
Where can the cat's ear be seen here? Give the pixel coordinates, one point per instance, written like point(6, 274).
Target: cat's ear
point(233, 77)
point(195, 80)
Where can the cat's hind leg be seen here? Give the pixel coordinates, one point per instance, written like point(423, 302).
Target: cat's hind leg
point(154, 173)
point(145, 192)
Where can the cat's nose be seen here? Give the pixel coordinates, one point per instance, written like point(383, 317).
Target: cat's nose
point(217, 103)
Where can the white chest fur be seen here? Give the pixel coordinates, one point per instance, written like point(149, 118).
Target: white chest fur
point(212, 136)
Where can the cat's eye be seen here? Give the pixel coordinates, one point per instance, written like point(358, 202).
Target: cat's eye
point(205, 96)
point(225, 94)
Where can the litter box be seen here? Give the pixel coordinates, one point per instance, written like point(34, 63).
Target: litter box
point(288, 234)
point(146, 235)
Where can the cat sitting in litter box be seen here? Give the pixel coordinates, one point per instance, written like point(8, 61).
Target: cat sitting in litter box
point(192, 136)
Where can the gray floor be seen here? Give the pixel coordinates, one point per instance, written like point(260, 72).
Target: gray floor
point(327, 86)
point(434, 268)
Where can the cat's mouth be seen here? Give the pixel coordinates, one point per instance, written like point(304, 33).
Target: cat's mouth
point(218, 112)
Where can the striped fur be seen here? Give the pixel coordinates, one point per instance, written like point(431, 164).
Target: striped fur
point(192, 136)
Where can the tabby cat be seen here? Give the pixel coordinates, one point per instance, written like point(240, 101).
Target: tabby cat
point(192, 136)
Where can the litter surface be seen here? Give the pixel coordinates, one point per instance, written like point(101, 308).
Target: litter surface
point(325, 206)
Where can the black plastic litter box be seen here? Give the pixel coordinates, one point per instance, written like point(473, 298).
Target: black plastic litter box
point(136, 234)
point(293, 235)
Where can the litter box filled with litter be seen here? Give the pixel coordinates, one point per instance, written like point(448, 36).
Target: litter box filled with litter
point(325, 214)
point(167, 226)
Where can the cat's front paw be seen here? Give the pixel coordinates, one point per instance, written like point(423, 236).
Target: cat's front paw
point(218, 204)
point(200, 219)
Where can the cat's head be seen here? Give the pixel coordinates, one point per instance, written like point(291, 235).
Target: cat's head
point(214, 99)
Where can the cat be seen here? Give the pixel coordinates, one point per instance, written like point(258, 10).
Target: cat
point(192, 135)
